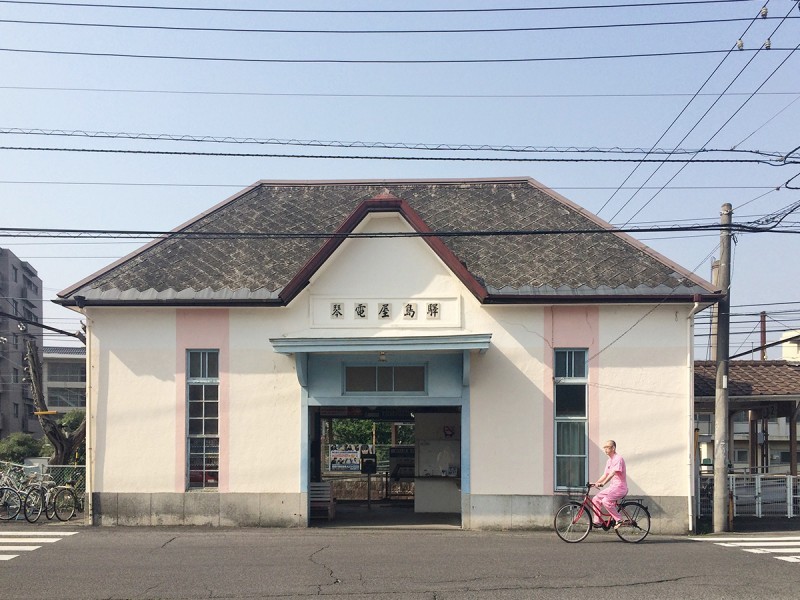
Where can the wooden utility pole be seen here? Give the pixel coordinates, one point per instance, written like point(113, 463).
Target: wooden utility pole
point(721, 450)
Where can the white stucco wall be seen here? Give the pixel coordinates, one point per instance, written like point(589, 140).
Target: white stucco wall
point(132, 381)
point(645, 386)
point(265, 407)
point(507, 380)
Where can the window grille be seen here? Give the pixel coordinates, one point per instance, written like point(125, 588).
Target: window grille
point(570, 437)
point(202, 398)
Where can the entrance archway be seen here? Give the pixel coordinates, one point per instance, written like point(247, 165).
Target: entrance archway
point(387, 466)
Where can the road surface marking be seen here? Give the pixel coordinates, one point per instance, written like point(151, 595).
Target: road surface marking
point(42, 533)
point(27, 541)
point(31, 540)
point(787, 538)
point(760, 545)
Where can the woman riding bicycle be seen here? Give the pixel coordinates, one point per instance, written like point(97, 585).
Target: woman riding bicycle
point(617, 489)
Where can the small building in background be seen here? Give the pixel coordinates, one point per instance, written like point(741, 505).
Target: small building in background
point(64, 378)
point(790, 348)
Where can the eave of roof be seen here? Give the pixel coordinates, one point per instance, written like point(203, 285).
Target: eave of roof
point(690, 288)
point(768, 379)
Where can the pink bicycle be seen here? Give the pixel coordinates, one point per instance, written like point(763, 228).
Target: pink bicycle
point(574, 520)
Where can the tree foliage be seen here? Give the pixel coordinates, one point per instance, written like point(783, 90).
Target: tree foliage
point(359, 431)
point(18, 446)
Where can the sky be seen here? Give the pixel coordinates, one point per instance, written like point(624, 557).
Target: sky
point(114, 117)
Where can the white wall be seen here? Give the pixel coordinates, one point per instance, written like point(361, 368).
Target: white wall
point(645, 396)
point(133, 406)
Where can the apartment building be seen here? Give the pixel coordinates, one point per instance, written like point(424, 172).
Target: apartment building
point(64, 378)
point(20, 296)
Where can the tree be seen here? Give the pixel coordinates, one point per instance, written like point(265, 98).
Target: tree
point(359, 431)
point(18, 446)
point(66, 442)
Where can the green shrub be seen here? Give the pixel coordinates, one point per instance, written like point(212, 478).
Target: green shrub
point(19, 446)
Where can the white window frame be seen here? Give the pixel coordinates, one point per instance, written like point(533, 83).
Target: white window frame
point(569, 378)
point(210, 440)
point(393, 392)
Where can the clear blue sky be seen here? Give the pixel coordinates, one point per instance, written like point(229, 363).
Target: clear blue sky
point(400, 88)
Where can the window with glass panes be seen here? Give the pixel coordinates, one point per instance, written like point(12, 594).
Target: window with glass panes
point(570, 419)
point(202, 394)
point(386, 379)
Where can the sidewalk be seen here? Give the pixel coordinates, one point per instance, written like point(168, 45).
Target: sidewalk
point(765, 524)
point(754, 525)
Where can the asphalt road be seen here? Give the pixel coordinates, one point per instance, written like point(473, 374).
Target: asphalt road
point(398, 564)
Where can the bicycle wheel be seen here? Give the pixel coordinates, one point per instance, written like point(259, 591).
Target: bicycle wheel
point(572, 522)
point(49, 503)
point(636, 524)
point(34, 502)
point(64, 503)
point(9, 503)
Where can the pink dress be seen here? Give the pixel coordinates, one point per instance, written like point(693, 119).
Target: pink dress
point(616, 488)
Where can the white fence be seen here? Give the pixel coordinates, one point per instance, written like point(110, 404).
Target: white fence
point(754, 495)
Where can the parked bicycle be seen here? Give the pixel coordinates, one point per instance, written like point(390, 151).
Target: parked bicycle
point(574, 520)
point(54, 500)
point(9, 503)
point(14, 485)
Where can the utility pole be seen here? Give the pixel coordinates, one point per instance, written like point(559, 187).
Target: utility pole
point(721, 452)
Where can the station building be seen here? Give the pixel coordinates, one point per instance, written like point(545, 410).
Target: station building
point(516, 331)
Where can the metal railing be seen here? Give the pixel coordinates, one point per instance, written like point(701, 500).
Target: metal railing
point(754, 495)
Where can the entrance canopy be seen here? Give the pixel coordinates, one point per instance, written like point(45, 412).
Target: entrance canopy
point(428, 343)
point(301, 347)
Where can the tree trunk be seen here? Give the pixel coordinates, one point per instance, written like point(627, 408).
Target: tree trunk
point(64, 444)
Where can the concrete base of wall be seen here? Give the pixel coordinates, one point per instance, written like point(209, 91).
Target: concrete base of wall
point(669, 515)
point(201, 508)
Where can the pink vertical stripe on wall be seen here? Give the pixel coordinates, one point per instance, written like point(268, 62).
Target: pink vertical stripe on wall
point(202, 329)
point(570, 327)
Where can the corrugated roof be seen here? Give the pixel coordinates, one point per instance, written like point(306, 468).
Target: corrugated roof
point(236, 268)
point(64, 350)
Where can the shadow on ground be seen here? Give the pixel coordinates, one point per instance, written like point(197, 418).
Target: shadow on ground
point(397, 514)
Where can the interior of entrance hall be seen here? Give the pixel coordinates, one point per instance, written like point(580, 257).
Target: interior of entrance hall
point(373, 464)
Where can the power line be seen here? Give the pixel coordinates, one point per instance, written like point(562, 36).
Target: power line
point(238, 235)
point(23, 323)
point(774, 163)
point(353, 61)
point(708, 110)
point(765, 304)
point(243, 185)
point(379, 95)
point(461, 147)
point(767, 122)
point(726, 122)
point(671, 125)
point(372, 11)
point(379, 31)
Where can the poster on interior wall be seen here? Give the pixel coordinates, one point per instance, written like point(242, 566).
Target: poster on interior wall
point(347, 457)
